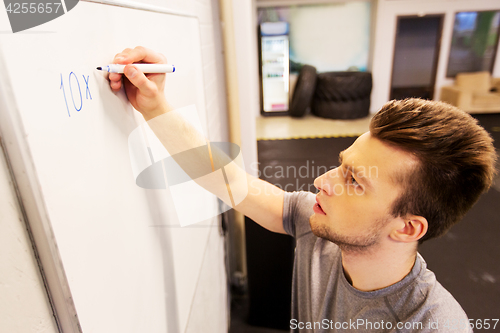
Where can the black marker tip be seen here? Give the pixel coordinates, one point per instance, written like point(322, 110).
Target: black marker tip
point(99, 68)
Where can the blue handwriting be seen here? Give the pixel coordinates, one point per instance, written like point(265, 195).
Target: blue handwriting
point(75, 91)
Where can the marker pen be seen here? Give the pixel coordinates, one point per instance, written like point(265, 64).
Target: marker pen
point(145, 68)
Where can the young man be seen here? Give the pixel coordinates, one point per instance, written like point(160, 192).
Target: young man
point(418, 170)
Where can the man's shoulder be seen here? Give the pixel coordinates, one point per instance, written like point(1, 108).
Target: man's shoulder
point(442, 307)
point(426, 302)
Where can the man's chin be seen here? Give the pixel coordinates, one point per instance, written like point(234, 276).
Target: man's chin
point(354, 246)
point(316, 228)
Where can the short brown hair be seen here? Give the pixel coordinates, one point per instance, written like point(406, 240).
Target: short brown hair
point(456, 155)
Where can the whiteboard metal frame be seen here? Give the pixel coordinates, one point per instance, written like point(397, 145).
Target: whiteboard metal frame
point(34, 210)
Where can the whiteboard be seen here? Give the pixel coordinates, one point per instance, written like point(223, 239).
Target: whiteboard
point(113, 254)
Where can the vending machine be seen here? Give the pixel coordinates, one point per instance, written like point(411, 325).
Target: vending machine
point(275, 67)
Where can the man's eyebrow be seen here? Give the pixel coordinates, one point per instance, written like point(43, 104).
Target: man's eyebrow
point(341, 156)
point(357, 173)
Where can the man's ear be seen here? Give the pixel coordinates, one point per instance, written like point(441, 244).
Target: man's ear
point(411, 229)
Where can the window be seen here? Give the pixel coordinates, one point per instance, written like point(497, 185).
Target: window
point(474, 42)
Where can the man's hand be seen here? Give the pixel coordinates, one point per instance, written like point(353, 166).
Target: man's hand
point(144, 91)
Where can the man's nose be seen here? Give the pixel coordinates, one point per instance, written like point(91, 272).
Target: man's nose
point(326, 182)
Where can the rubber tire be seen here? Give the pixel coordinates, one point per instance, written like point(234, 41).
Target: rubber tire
point(343, 86)
point(304, 91)
point(341, 109)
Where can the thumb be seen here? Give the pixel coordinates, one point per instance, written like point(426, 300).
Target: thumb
point(138, 79)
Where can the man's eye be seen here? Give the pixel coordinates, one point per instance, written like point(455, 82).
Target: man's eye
point(353, 180)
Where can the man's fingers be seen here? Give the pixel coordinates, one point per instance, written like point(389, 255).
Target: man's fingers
point(115, 85)
point(115, 77)
point(138, 79)
point(143, 54)
point(139, 54)
point(115, 81)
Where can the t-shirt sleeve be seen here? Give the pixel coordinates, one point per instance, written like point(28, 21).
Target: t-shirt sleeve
point(297, 208)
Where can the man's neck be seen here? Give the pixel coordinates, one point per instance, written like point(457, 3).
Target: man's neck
point(378, 268)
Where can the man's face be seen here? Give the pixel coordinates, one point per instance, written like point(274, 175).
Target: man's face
point(354, 200)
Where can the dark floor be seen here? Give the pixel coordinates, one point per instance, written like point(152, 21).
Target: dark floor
point(239, 318)
point(466, 261)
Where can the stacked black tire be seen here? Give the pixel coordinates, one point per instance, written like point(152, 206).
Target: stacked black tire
point(304, 91)
point(342, 95)
point(335, 95)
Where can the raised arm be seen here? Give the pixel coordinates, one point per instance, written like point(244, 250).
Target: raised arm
point(263, 202)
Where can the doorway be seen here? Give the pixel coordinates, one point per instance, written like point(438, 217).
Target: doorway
point(416, 54)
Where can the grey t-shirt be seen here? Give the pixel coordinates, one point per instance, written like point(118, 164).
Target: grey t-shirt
point(324, 301)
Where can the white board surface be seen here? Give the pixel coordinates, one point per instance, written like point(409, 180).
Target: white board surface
point(128, 265)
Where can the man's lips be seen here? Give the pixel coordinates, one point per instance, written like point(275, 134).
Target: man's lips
point(317, 208)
